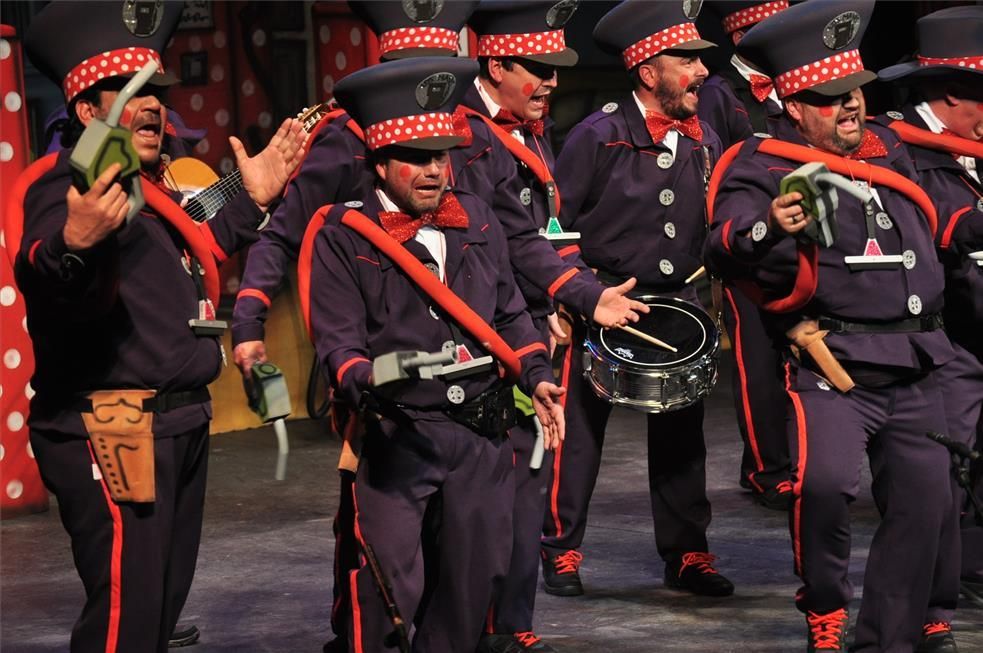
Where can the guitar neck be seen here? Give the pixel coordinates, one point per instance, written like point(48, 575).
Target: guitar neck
point(205, 204)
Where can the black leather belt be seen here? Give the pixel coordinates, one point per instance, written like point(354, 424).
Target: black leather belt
point(911, 325)
point(160, 403)
point(490, 414)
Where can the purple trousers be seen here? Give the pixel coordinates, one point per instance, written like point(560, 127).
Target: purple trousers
point(403, 469)
point(136, 560)
point(828, 434)
point(759, 393)
point(676, 458)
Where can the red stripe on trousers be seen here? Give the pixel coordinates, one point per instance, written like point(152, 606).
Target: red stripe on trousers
point(356, 609)
point(742, 373)
point(803, 440)
point(558, 454)
point(115, 565)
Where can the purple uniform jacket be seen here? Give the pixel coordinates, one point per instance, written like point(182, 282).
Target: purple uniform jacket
point(635, 217)
point(749, 186)
point(486, 169)
point(953, 190)
point(728, 114)
point(122, 320)
point(363, 306)
point(334, 170)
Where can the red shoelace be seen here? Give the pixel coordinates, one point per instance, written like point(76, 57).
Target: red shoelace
point(827, 629)
point(702, 561)
point(935, 628)
point(569, 562)
point(784, 486)
point(527, 638)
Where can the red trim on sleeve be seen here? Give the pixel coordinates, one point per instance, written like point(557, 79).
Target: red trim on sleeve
point(256, 294)
point(568, 250)
point(115, 564)
point(528, 349)
point(347, 364)
point(368, 260)
point(220, 255)
point(560, 280)
point(31, 252)
point(953, 220)
point(718, 176)
point(725, 235)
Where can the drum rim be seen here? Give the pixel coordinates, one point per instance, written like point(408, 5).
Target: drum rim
point(602, 351)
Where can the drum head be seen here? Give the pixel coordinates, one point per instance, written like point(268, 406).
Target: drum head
point(676, 322)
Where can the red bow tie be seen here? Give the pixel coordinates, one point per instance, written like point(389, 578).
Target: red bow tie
point(509, 122)
point(761, 87)
point(402, 227)
point(659, 125)
point(871, 147)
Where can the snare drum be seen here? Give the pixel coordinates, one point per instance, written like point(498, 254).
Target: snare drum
point(624, 369)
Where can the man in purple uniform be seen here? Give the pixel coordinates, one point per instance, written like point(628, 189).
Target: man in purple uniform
point(121, 327)
point(736, 102)
point(863, 314)
point(943, 125)
point(633, 176)
point(520, 47)
point(426, 437)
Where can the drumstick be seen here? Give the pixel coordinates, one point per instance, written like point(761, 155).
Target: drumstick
point(696, 275)
point(647, 338)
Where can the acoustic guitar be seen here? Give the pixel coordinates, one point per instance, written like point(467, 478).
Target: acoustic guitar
point(205, 193)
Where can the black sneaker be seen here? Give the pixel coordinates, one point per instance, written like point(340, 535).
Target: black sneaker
point(937, 638)
point(694, 572)
point(514, 643)
point(336, 645)
point(561, 573)
point(776, 498)
point(183, 636)
point(827, 632)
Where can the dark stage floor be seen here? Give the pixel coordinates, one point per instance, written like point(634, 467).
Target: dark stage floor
point(264, 574)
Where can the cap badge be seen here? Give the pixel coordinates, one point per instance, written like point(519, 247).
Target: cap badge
point(142, 18)
point(840, 31)
point(560, 13)
point(434, 91)
point(691, 8)
point(422, 11)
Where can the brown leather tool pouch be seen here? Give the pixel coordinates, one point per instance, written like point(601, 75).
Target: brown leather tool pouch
point(807, 337)
point(123, 442)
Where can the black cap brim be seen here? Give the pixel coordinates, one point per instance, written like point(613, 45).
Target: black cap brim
point(695, 44)
point(844, 85)
point(565, 59)
point(410, 53)
point(435, 143)
point(913, 69)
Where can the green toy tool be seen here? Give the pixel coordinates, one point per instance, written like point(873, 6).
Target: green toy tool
point(105, 143)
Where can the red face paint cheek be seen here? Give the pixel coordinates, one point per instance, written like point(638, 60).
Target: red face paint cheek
point(405, 171)
point(979, 106)
point(683, 81)
point(126, 117)
point(527, 89)
point(826, 112)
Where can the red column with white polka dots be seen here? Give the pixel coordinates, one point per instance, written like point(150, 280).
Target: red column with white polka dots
point(21, 490)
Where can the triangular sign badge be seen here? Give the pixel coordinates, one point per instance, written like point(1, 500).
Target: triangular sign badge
point(873, 249)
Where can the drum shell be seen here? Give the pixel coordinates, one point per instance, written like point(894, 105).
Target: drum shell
point(667, 388)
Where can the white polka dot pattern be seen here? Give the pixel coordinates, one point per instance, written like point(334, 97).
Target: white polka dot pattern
point(653, 44)
point(409, 128)
point(110, 63)
point(753, 15)
point(973, 63)
point(519, 45)
point(819, 72)
point(408, 38)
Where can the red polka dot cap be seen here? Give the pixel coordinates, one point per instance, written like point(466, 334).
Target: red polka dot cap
point(526, 30)
point(410, 38)
point(949, 40)
point(813, 46)
point(637, 30)
point(78, 44)
point(751, 15)
point(415, 29)
point(111, 63)
point(408, 102)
